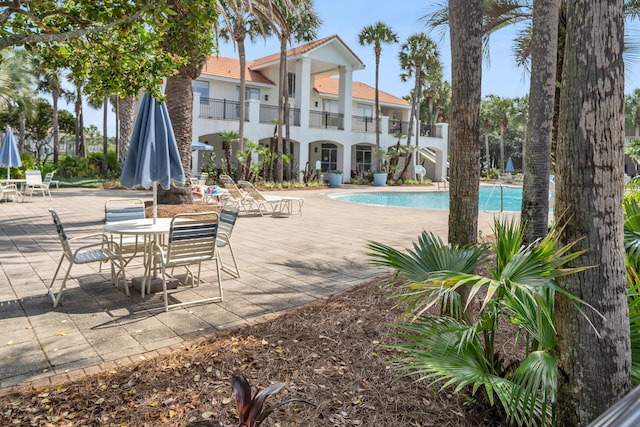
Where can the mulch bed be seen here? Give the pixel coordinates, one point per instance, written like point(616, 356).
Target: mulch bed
point(332, 352)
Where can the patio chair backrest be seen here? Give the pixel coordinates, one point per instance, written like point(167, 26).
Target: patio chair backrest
point(33, 177)
point(123, 209)
point(192, 238)
point(61, 233)
point(228, 218)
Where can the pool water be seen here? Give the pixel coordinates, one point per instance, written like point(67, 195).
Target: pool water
point(511, 199)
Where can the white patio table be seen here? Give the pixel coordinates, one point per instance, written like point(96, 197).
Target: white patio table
point(150, 232)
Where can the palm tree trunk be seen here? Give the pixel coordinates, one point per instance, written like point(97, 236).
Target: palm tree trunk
point(243, 61)
point(127, 117)
point(55, 95)
point(281, 100)
point(594, 362)
point(180, 107)
point(465, 23)
point(537, 147)
point(105, 140)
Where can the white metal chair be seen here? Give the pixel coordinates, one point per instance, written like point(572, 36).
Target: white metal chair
point(9, 190)
point(101, 250)
point(191, 241)
point(122, 209)
point(226, 222)
point(35, 183)
point(48, 180)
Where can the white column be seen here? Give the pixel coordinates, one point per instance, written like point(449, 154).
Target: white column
point(345, 96)
point(303, 90)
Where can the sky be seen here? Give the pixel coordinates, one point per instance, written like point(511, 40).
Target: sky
point(500, 75)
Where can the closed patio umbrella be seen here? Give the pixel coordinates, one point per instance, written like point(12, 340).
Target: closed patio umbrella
point(9, 154)
point(509, 167)
point(153, 156)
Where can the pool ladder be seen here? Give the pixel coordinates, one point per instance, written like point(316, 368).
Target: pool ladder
point(486, 202)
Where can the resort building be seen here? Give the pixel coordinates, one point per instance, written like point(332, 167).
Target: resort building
point(331, 116)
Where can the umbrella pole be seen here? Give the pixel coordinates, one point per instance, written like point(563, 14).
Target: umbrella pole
point(8, 175)
point(155, 201)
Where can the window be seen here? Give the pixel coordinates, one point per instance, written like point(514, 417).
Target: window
point(292, 85)
point(202, 88)
point(363, 158)
point(249, 93)
point(329, 157)
point(364, 112)
point(330, 105)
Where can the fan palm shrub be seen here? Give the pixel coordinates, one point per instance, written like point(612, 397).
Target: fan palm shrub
point(457, 347)
point(632, 250)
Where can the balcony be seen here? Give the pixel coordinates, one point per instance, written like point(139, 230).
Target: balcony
point(221, 109)
point(363, 124)
point(269, 114)
point(326, 120)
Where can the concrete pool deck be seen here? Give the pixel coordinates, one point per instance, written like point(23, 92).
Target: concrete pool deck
point(284, 263)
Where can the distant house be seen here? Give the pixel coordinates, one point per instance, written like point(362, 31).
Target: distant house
point(331, 116)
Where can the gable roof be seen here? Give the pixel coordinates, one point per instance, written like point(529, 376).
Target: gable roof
point(329, 86)
point(305, 48)
point(222, 66)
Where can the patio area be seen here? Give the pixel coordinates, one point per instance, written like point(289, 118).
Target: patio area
point(284, 263)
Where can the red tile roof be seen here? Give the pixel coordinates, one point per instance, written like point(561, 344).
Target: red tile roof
point(329, 85)
point(302, 49)
point(221, 66)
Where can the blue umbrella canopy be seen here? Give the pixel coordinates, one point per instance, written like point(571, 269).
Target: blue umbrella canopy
point(153, 158)
point(509, 167)
point(9, 154)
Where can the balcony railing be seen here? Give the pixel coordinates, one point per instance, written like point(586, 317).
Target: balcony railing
point(269, 114)
point(326, 120)
point(434, 131)
point(363, 124)
point(398, 126)
point(221, 109)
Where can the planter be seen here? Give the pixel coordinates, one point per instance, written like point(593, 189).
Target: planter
point(380, 179)
point(335, 180)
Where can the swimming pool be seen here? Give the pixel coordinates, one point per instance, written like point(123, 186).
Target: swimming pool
point(511, 197)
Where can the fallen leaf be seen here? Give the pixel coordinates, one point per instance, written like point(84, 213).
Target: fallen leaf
point(226, 401)
point(61, 334)
point(10, 343)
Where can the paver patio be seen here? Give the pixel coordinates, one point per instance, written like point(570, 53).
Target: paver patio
point(284, 263)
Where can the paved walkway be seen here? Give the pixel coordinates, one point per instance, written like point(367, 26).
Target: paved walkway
point(284, 263)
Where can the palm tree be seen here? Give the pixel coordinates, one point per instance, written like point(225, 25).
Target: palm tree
point(16, 88)
point(300, 24)
point(239, 24)
point(465, 18)
point(419, 58)
point(594, 360)
point(502, 111)
point(228, 138)
point(377, 34)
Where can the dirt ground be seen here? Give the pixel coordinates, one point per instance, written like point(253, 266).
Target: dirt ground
point(332, 353)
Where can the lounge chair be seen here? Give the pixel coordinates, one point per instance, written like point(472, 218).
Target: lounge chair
point(191, 241)
point(233, 194)
point(276, 205)
point(35, 183)
point(102, 249)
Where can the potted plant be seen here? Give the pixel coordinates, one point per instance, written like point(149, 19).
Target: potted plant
point(335, 178)
point(381, 173)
